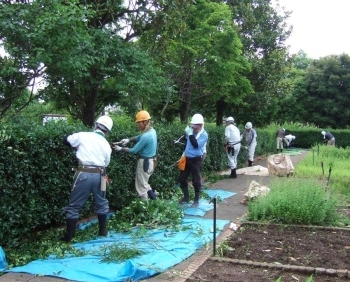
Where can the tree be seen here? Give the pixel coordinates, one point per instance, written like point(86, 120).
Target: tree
point(291, 107)
point(263, 32)
point(13, 86)
point(77, 48)
point(202, 55)
point(327, 96)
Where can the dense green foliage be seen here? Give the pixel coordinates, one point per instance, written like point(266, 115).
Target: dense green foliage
point(317, 92)
point(263, 30)
point(35, 167)
point(36, 176)
point(190, 59)
point(204, 59)
point(294, 201)
point(76, 47)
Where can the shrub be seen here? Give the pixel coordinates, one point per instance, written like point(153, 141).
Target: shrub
point(294, 201)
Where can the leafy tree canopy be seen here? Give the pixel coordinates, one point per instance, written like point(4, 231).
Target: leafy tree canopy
point(203, 56)
point(76, 47)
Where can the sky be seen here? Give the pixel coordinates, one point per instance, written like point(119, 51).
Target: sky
point(320, 27)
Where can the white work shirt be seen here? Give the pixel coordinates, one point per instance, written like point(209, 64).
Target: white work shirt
point(92, 148)
point(289, 137)
point(232, 134)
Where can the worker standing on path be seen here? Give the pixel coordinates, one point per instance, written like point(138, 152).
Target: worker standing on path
point(250, 136)
point(93, 153)
point(146, 149)
point(232, 145)
point(328, 137)
point(280, 135)
point(196, 139)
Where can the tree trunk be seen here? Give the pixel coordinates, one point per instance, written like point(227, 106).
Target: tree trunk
point(88, 111)
point(185, 104)
point(220, 109)
point(184, 111)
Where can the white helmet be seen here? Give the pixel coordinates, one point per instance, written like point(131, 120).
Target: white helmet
point(197, 119)
point(248, 125)
point(323, 132)
point(105, 123)
point(293, 137)
point(230, 119)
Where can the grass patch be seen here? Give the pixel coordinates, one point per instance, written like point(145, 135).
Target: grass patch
point(317, 165)
point(295, 201)
point(312, 197)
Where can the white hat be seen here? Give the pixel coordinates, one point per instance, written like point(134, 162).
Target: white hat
point(197, 119)
point(230, 119)
point(105, 123)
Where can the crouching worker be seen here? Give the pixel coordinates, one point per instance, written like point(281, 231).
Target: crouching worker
point(93, 153)
point(288, 139)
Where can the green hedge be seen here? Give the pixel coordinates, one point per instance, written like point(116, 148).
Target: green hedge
point(36, 176)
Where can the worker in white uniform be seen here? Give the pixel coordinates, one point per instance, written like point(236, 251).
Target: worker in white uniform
point(250, 137)
point(93, 153)
point(232, 145)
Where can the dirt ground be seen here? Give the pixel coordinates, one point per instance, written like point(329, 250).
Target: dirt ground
point(274, 244)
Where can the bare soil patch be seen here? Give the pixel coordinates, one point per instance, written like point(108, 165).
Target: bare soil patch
point(313, 247)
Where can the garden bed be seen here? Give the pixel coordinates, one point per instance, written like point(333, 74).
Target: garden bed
point(259, 252)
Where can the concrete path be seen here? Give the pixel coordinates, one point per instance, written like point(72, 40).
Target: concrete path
point(230, 209)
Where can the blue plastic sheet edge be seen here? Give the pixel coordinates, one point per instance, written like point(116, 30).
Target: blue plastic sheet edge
point(163, 249)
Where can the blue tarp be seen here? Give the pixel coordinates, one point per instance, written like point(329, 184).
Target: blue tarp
point(163, 249)
point(3, 262)
point(292, 151)
point(204, 205)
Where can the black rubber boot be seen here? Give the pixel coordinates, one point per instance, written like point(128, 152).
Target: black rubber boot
point(196, 199)
point(186, 197)
point(151, 195)
point(250, 163)
point(233, 173)
point(71, 225)
point(102, 220)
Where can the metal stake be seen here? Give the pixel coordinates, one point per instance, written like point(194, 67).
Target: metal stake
point(213, 200)
point(329, 177)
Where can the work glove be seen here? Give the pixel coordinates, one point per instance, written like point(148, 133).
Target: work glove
point(116, 147)
point(124, 141)
point(246, 147)
point(189, 130)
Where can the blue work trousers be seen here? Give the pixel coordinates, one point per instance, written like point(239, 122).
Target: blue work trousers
point(84, 184)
